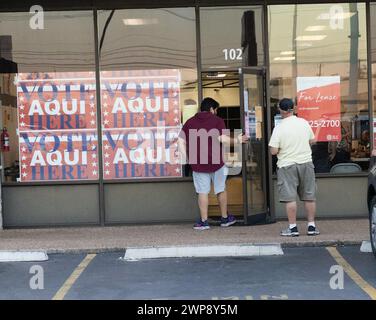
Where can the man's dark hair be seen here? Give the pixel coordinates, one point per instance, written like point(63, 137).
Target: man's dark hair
point(208, 103)
point(286, 104)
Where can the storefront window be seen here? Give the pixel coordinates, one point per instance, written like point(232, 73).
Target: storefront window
point(231, 38)
point(225, 30)
point(148, 88)
point(47, 98)
point(318, 56)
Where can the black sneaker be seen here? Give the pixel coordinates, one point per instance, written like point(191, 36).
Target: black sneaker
point(201, 225)
point(229, 221)
point(313, 231)
point(290, 232)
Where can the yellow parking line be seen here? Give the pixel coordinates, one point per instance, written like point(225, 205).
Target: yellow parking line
point(356, 277)
point(73, 277)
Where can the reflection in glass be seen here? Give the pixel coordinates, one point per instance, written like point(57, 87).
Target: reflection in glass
point(148, 89)
point(324, 42)
point(221, 36)
point(141, 120)
point(48, 97)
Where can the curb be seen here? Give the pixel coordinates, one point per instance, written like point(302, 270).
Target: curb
point(324, 243)
point(366, 247)
point(132, 254)
point(298, 244)
point(22, 256)
point(86, 250)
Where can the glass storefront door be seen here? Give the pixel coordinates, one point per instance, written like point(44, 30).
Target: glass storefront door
point(254, 156)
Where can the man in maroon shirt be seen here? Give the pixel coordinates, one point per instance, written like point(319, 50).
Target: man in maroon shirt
point(201, 141)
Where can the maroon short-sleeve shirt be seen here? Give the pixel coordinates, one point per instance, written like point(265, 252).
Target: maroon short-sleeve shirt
point(201, 134)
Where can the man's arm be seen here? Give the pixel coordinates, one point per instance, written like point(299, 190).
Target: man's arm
point(273, 151)
point(312, 138)
point(241, 138)
point(182, 147)
point(225, 138)
point(182, 144)
point(274, 142)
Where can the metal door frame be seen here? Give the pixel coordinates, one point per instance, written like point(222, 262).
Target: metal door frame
point(265, 216)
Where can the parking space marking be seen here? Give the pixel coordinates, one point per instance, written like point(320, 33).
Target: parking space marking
point(249, 297)
point(73, 277)
point(355, 276)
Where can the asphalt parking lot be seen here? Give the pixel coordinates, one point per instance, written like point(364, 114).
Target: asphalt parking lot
point(301, 273)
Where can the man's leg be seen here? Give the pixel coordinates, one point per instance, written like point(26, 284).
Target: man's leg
point(202, 186)
point(222, 200)
point(291, 209)
point(292, 230)
point(307, 193)
point(203, 203)
point(219, 181)
point(310, 209)
point(287, 186)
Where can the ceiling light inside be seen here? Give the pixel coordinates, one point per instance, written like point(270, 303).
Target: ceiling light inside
point(218, 67)
point(315, 28)
point(284, 58)
point(316, 37)
point(304, 44)
point(139, 22)
point(335, 16)
point(216, 75)
point(287, 53)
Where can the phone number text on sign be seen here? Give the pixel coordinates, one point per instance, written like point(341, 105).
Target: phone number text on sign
point(324, 123)
point(327, 124)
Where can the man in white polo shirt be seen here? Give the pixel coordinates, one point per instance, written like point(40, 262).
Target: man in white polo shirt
point(291, 141)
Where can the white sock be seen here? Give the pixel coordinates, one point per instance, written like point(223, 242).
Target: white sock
point(311, 224)
point(292, 225)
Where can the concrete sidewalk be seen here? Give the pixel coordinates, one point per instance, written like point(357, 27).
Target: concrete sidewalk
point(101, 239)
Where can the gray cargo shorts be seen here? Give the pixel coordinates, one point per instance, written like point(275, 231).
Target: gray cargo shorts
point(297, 179)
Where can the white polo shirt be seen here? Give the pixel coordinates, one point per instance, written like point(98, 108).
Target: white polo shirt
point(291, 136)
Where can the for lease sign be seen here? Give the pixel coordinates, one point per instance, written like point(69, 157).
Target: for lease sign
point(319, 102)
